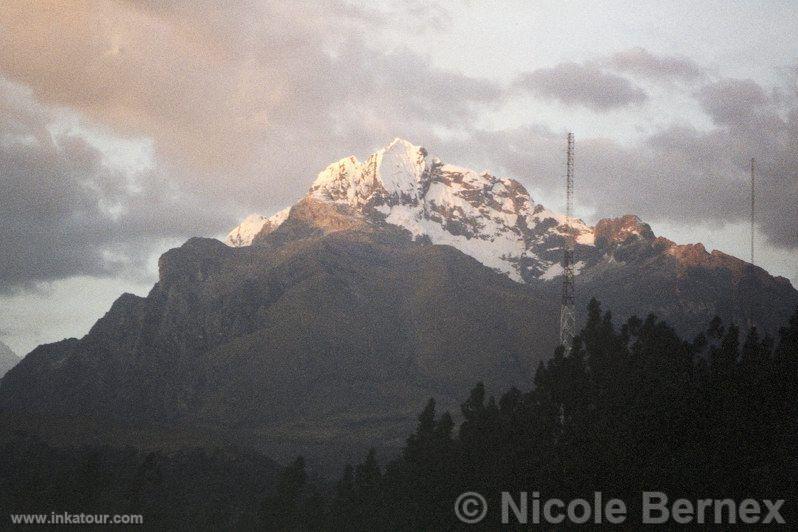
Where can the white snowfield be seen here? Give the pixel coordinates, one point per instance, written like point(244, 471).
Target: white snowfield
point(491, 219)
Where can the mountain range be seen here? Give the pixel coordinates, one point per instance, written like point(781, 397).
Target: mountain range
point(322, 329)
point(496, 221)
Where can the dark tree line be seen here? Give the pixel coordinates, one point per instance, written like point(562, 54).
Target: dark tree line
point(630, 410)
point(189, 489)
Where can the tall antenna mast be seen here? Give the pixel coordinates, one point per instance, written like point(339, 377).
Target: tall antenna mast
point(751, 266)
point(753, 197)
point(567, 316)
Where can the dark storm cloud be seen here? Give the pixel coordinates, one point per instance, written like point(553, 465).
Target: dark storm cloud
point(641, 62)
point(66, 211)
point(582, 84)
point(51, 223)
point(737, 103)
point(755, 123)
point(679, 174)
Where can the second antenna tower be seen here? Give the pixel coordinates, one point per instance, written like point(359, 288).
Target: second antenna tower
point(567, 315)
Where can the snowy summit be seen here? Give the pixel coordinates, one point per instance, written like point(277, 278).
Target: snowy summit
point(491, 219)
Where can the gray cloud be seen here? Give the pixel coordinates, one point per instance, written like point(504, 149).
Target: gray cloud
point(66, 211)
point(582, 84)
point(737, 103)
point(753, 123)
point(639, 61)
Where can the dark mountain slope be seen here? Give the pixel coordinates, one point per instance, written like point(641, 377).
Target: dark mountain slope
point(634, 272)
point(329, 338)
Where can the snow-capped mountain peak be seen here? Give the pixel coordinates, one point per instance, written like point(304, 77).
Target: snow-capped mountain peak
point(395, 170)
point(246, 231)
point(493, 219)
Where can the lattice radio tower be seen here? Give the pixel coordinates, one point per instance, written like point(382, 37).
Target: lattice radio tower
point(751, 266)
point(567, 316)
point(753, 198)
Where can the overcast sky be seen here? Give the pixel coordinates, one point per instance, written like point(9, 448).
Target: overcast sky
point(127, 127)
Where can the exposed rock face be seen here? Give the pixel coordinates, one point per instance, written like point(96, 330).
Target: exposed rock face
point(614, 231)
